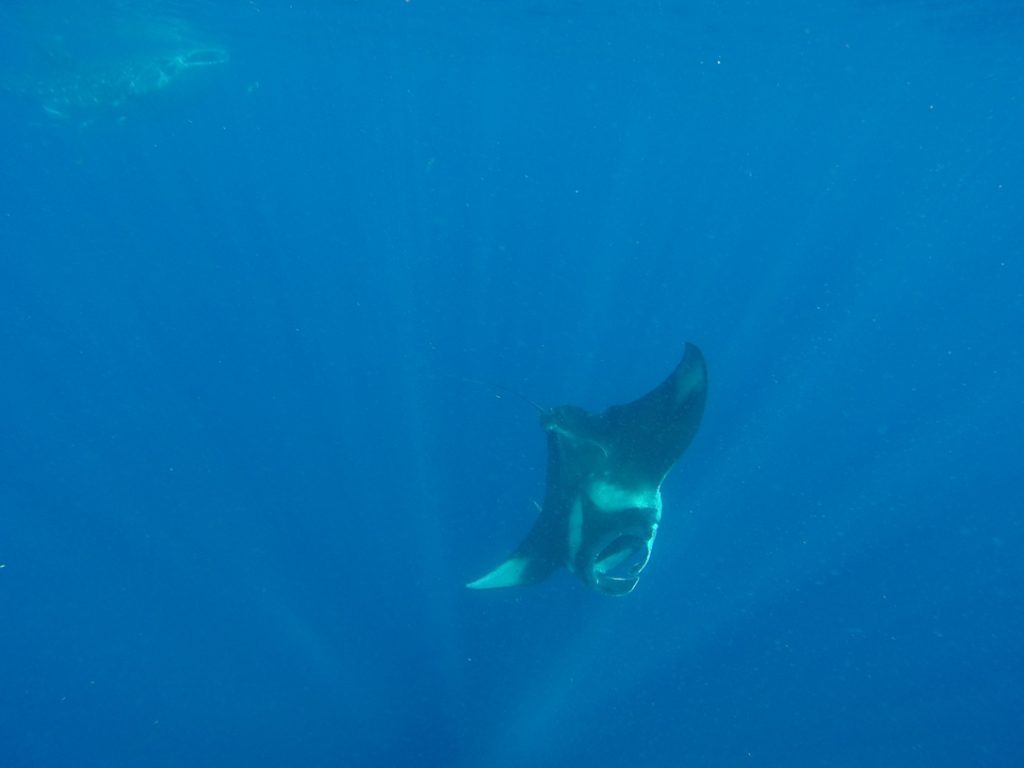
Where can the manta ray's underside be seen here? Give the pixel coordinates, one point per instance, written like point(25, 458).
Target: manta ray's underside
point(602, 502)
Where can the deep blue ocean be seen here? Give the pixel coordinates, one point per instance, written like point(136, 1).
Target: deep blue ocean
point(265, 268)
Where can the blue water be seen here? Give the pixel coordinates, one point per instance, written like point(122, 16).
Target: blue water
point(246, 297)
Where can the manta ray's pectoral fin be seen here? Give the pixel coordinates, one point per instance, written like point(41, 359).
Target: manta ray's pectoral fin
point(535, 558)
point(514, 572)
point(650, 434)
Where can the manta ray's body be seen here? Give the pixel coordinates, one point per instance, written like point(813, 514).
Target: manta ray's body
point(602, 503)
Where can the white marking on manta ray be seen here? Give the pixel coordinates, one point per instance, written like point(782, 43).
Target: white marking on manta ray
point(612, 498)
point(507, 574)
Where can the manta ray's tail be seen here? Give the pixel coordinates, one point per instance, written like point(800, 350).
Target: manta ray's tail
point(498, 388)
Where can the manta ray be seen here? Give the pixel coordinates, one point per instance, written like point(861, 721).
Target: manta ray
point(602, 500)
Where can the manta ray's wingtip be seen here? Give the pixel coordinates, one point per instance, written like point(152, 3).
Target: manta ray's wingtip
point(692, 352)
point(508, 574)
point(692, 371)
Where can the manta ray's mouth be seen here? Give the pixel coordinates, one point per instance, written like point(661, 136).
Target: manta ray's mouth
point(617, 566)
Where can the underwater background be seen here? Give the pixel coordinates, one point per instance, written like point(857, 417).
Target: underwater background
point(257, 257)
